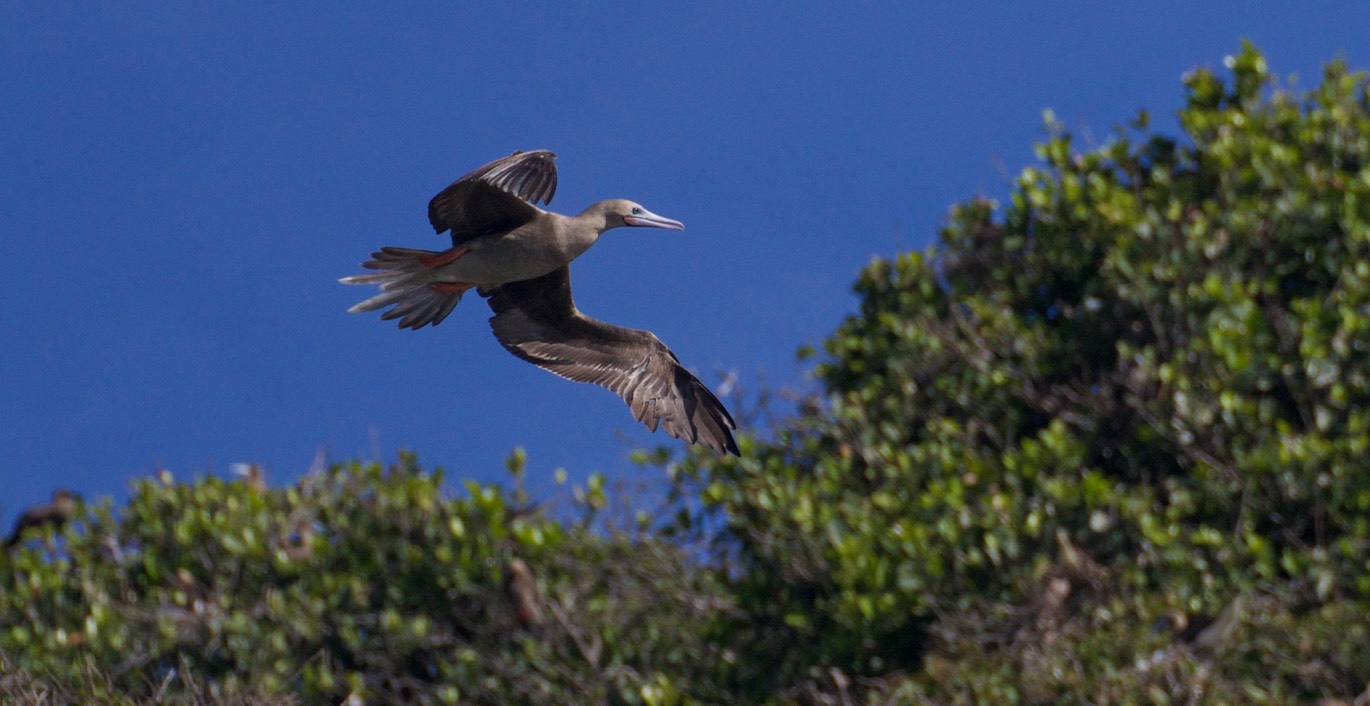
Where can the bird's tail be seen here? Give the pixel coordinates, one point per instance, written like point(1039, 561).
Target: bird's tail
point(407, 282)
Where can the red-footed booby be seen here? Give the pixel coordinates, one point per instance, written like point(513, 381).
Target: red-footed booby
point(518, 255)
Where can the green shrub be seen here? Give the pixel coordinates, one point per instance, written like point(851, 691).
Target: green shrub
point(1155, 354)
point(357, 580)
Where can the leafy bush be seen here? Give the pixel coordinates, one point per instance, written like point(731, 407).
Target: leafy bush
point(1153, 359)
point(356, 581)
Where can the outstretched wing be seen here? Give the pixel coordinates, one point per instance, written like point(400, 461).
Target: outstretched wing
point(495, 198)
point(537, 321)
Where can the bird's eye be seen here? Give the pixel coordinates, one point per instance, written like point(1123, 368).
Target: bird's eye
point(637, 211)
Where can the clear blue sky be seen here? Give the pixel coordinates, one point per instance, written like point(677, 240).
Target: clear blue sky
point(182, 183)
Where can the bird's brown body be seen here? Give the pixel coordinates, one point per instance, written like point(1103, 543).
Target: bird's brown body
point(518, 256)
point(521, 590)
point(56, 514)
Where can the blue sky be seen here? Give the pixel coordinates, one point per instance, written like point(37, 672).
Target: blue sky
point(181, 185)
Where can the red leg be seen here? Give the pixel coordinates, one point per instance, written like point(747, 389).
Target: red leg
point(450, 287)
point(446, 257)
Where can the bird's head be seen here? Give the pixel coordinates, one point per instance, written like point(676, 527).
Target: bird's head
point(63, 498)
point(620, 212)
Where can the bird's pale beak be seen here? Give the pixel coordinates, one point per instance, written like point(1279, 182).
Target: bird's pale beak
point(647, 219)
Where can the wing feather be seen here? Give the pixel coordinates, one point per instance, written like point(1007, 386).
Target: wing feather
point(537, 321)
point(495, 198)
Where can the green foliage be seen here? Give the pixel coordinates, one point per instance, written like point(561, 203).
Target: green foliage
point(357, 580)
point(1153, 356)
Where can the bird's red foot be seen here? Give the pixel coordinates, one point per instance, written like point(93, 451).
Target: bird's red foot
point(446, 257)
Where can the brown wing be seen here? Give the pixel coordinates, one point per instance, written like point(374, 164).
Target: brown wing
point(495, 198)
point(537, 321)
